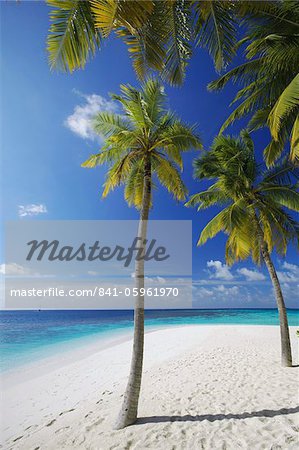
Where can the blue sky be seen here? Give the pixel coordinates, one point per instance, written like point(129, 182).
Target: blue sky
point(45, 138)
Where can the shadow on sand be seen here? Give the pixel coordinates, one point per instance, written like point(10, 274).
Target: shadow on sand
point(214, 417)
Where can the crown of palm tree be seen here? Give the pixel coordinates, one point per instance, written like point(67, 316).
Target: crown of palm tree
point(160, 34)
point(145, 130)
point(270, 80)
point(250, 199)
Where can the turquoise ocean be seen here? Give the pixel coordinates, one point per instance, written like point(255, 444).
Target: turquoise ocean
point(28, 336)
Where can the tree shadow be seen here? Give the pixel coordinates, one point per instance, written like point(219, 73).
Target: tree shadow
point(214, 417)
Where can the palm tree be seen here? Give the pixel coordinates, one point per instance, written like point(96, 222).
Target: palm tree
point(160, 35)
point(254, 210)
point(144, 141)
point(270, 80)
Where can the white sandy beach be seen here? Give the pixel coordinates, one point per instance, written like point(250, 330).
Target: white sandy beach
point(204, 387)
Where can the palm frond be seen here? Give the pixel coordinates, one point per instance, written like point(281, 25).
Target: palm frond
point(256, 201)
point(259, 119)
point(215, 226)
point(107, 123)
point(208, 198)
point(243, 109)
point(174, 154)
point(282, 174)
point(133, 104)
point(134, 185)
point(294, 153)
point(275, 149)
point(169, 176)
point(245, 73)
point(240, 242)
point(216, 30)
point(286, 196)
point(146, 44)
point(145, 132)
point(118, 173)
point(180, 136)
point(154, 97)
point(177, 21)
point(73, 37)
point(112, 13)
point(105, 156)
point(287, 102)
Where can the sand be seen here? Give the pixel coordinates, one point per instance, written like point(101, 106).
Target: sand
point(204, 387)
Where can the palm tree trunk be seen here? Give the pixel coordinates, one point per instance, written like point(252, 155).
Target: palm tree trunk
point(286, 352)
point(128, 413)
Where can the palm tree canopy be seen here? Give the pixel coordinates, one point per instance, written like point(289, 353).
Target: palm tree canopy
point(269, 79)
point(145, 130)
point(249, 199)
point(160, 34)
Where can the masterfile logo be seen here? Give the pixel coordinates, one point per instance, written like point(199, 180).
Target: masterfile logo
point(91, 264)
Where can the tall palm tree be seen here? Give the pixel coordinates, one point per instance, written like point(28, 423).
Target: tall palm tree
point(160, 34)
point(254, 210)
point(144, 141)
point(269, 80)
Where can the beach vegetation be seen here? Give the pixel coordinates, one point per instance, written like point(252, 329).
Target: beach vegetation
point(143, 147)
point(162, 36)
point(269, 80)
point(255, 206)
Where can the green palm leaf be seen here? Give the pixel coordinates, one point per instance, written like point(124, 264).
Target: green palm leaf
point(284, 196)
point(177, 23)
point(73, 36)
point(287, 102)
point(169, 176)
point(106, 123)
point(294, 154)
point(216, 30)
point(134, 185)
point(215, 226)
point(207, 198)
point(258, 201)
point(112, 13)
point(145, 135)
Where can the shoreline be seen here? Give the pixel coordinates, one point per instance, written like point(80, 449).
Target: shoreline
point(88, 346)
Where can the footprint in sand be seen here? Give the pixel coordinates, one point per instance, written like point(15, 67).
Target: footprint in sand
point(94, 424)
point(68, 411)
point(79, 441)
point(107, 392)
point(51, 423)
point(61, 429)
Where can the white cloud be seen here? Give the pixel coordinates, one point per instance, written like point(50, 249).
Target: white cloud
point(217, 293)
point(157, 279)
point(203, 292)
point(291, 267)
point(290, 275)
point(13, 269)
point(32, 210)
point(251, 275)
point(220, 288)
point(80, 122)
point(220, 271)
point(234, 290)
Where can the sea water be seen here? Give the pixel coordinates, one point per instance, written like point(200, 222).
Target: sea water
point(27, 336)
